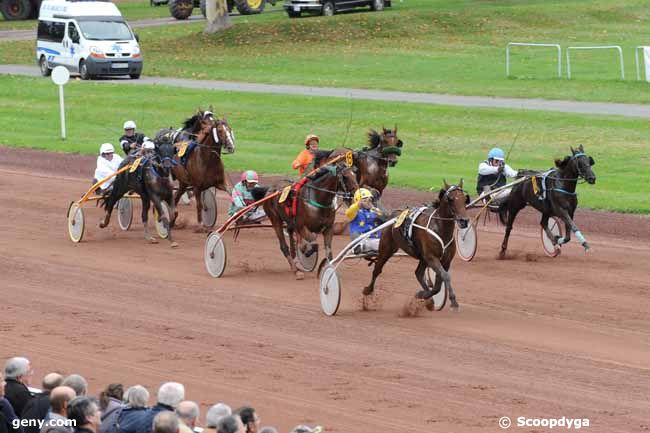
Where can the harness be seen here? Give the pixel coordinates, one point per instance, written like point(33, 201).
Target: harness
point(547, 176)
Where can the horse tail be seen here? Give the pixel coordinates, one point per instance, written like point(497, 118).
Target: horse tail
point(503, 212)
point(120, 187)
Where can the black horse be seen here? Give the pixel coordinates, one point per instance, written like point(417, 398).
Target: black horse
point(553, 194)
point(151, 181)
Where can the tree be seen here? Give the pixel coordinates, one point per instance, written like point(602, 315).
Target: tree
point(216, 12)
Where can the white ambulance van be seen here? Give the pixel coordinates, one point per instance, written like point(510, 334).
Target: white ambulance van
point(90, 38)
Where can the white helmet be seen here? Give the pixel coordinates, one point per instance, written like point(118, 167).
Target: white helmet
point(106, 148)
point(148, 145)
point(129, 124)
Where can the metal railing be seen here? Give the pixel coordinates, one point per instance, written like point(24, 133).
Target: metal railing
point(526, 44)
point(604, 47)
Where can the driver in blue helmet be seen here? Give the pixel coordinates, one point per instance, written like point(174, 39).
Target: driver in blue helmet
point(493, 173)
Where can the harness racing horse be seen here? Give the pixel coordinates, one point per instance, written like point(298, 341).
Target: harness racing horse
point(189, 130)
point(311, 210)
point(203, 168)
point(553, 194)
point(151, 182)
point(372, 162)
point(431, 241)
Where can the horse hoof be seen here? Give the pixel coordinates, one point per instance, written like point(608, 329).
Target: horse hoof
point(429, 304)
point(367, 291)
point(502, 255)
point(300, 275)
point(423, 294)
point(174, 244)
point(151, 240)
point(455, 308)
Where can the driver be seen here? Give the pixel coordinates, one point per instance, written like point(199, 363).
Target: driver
point(306, 156)
point(148, 148)
point(107, 164)
point(364, 216)
point(243, 195)
point(492, 174)
point(131, 140)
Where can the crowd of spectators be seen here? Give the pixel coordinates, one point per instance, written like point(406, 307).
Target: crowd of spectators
point(64, 406)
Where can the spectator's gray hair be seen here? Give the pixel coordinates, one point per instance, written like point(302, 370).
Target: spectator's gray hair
point(76, 382)
point(165, 422)
point(171, 393)
point(188, 410)
point(302, 429)
point(215, 413)
point(268, 430)
point(80, 409)
point(136, 396)
point(51, 381)
point(16, 367)
point(228, 424)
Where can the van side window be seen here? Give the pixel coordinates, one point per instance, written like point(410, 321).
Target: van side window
point(73, 33)
point(50, 31)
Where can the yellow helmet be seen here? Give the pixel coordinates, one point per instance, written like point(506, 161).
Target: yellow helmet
point(361, 194)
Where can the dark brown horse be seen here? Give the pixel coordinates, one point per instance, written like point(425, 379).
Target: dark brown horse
point(152, 183)
point(554, 195)
point(372, 162)
point(204, 168)
point(314, 210)
point(431, 241)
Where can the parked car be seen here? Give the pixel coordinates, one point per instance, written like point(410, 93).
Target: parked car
point(328, 8)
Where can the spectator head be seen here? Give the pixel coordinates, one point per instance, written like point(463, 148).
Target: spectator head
point(171, 394)
point(188, 412)
point(84, 412)
point(60, 398)
point(113, 390)
point(136, 396)
point(51, 381)
point(166, 422)
point(215, 413)
point(249, 418)
point(231, 424)
point(19, 369)
point(268, 430)
point(76, 382)
point(305, 429)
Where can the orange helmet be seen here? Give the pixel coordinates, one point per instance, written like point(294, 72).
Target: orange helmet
point(311, 137)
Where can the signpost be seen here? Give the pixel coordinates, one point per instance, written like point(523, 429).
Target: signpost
point(60, 76)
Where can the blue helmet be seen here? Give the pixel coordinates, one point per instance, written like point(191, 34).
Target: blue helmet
point(496, 153)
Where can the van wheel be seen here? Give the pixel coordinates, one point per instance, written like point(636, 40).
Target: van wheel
point(83, 71)
point(181, 9)
point(328, 9)
point(45, 69)
point(134, 76)
point(16, 9)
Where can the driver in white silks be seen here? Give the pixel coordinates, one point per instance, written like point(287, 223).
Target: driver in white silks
point(107, 163)
point(493, 173)
point(364, 217)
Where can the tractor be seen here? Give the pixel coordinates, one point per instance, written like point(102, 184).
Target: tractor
point(19, 9)
point(182, 9)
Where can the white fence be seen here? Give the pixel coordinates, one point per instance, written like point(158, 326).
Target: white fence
point(638, 65)
point(605, 47)
point(525, 44)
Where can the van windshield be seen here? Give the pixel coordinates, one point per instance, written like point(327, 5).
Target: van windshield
point(105, 30)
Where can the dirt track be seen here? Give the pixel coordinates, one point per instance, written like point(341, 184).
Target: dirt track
point(536, 337)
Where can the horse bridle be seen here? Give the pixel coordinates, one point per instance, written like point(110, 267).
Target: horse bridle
point(345, 195)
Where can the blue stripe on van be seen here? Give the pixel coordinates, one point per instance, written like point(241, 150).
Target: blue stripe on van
point(49, 51)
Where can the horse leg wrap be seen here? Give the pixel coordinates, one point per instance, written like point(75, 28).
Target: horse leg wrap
point(562, 240)
point(580, 237)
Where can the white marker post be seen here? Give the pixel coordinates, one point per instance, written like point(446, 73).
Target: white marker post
point(60, 76)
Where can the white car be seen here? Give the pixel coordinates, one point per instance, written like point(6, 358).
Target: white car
point(90, 38)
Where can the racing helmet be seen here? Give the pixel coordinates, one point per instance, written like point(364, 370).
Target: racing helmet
point(250, 176)
point(129, 124)
point(106, 148)
point(148, 145)
point(311, 137)
point(361, 194)
point(496, 153)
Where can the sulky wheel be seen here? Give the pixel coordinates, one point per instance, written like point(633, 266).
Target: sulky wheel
point(215, 255)
point(557, 228)
point(466, 242)
point(125, 213)
point(330, 290)
point(161, 227)
point(181, 9)
point(209, 211)
point(439, 299)
point(76, 222)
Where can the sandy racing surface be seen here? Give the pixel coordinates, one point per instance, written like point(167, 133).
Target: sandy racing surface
point(535, 337)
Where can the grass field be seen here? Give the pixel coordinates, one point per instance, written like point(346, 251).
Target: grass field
point(440, 142)
point(444, 46)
